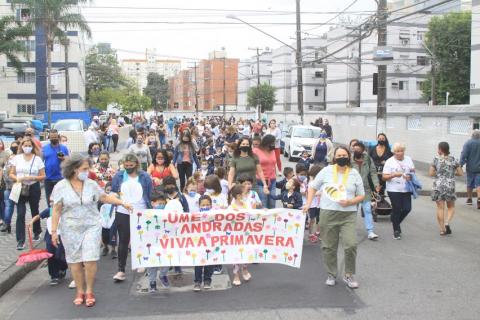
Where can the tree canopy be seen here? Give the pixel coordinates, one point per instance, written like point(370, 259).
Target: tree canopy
point(11, 33)
point(157, 91)
point(448, 40)
point(263, 96)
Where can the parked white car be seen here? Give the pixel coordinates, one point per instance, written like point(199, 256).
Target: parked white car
point(300, 138)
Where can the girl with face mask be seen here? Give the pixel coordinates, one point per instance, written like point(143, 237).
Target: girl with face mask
point(342, 189)
point(141, 150)
point(102, 172)
point(380, 154)
point(9, 204)
point(161, 167)
point(29, 170)
point(73, 197)
point(190, 193)
point(184, 157)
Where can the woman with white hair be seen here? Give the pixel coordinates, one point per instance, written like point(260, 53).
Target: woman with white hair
point(396, 172)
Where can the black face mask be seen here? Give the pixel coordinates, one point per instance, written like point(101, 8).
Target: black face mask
point(54, 141)
point(357, 154)
point(271, 148)
point(170, 190)
point(14, 150)
point(105, 165)
point(245, 149)
point(382, 143)
point(130, 170)
point(342, 162)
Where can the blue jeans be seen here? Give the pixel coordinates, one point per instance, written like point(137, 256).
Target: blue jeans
point(9, 206)
point(152, 273)
point(368, 217)
point(203, 273)
point(268, 201)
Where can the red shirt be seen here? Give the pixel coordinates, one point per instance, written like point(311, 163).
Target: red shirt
point(268, 162)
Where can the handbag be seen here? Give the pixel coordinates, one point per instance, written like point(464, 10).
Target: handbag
point(25, 192)
point(15, 192)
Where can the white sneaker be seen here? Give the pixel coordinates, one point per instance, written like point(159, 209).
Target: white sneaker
point(119, 276)
point(72, 285)
point(372, 236)
point(331, 281)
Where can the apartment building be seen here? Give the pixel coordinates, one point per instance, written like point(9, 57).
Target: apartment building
point(475, 56)
point(138, 69)
point(249, 73)
point(216, 85)
point(27, 93)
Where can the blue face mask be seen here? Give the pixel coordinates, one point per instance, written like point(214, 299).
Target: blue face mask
point(192, 194)
point(323, 135)
point(159, 206)
point(302, 178)
point(205, 209)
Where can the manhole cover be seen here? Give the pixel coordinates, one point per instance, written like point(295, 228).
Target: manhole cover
point(181, 282)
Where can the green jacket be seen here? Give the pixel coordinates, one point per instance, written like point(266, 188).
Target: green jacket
point(366, 169)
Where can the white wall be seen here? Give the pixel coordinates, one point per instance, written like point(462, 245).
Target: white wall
point(475, 57)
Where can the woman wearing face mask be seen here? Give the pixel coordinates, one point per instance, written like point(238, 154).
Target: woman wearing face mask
point(277, 133)
point(135, 187)
point(75, 201)
point(161, 167)
point(9, 204)
point(102, 171)
point(380, 154)
point(113, 132)
point(244, 162)
point(28, 169)
point(322, 150)
point(153, 142)
point(142, 152)
point(94, 151)
point(268, 161)
point(342, 190)
point(184, 156)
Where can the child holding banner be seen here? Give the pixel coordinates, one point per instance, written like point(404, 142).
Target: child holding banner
point(249, 195)
point(292, 199)
point(238, 203)
point(191, 195)
point(314, 211)
point(203, 272)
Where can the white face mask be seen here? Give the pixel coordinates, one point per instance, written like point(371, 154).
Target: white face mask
point(83, 175)
point(27, 150)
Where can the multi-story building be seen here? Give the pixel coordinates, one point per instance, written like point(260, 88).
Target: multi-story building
point(216, 85)
point(250, 72)
point(475, 55)
point(138, 69)
point(27, 93)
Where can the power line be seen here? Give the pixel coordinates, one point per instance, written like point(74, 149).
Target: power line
point(333, 18)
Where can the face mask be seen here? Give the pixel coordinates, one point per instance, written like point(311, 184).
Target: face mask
point(271, 148)
point(357, 154)
point(104, 164)
point(342, 162)
point(14, 150)
point(27, 150)
point(244, 149)
point(302, 178)
point(192, 194)
point(54, 141)
point(382, 143)
point(159, 206)
point(95, 152)
point(186, 139)
point(82, 176)
point(130, 170)
point(209, 191)
point(170, 190)
point(204, 167)
point(323, 136)
point(204, 209)
point(139, 142)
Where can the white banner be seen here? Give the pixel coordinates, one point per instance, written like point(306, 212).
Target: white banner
point(162, 238)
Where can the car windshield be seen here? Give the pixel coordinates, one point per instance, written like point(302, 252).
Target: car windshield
point(20, 126)
point(73, 125)
point(306, 133)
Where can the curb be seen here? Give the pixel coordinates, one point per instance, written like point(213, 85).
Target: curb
point(14, 274)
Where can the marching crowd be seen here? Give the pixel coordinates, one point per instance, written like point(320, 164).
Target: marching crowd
point(192, 165)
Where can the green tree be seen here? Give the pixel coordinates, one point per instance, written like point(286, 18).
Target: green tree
point(157, 90)
point(448, 41)
point(54, 16)
point(136, 103)
point(263, 96)
point(102, 70)
point(106, 96)
point(10, 46)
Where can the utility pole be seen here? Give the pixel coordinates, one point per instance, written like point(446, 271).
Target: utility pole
point(224, 88)
point(196, 87)
point(359, 66)
point(299, 63)
point(382, 69)
point(67, 77)
point(433, 85)
point(259, 111)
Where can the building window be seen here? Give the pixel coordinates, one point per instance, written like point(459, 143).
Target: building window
point(419, 85)
point(318, 74)
point(420, 35)
point(23, 15)
point(26, 108)
point(28, 44)
point(317, 92)
point(403, 85)
point(26, 77)
point(422, 61)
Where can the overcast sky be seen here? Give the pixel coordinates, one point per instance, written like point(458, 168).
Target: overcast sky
point(195, 41)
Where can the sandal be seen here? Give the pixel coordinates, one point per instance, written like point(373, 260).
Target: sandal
point(313, 238)
point(78, 301)
point(246, 275)
point(90, 300)
point(236, 281)
point(442, 233)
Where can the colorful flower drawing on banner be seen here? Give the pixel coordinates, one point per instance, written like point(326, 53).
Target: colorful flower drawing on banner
point(265, 251)
point(149, 245)
point(295, 256)
point(194, 255)
point(297, 225)
point(285, 221)
point(285, 254)
point(139, 215)
point(148, 222)
point(156, 218)
point(139, 257)
point(170, 256)
point(223, 253)
point(207, 251)
point(159, 256)
point(241, 249)
point(140, 233)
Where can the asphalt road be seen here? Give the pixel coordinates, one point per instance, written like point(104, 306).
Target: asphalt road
point(423, 276)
